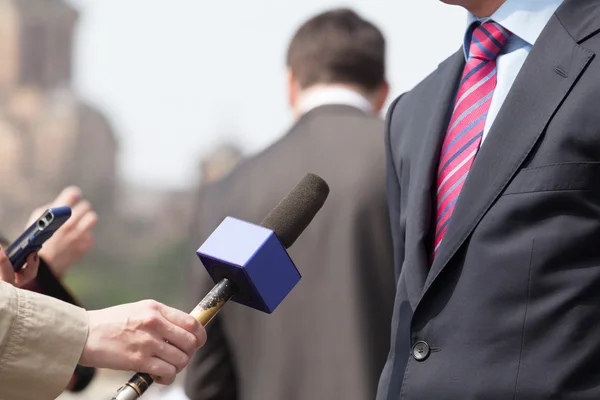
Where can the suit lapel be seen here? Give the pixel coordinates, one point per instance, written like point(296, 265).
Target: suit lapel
point(420, 217)
point(551, 69)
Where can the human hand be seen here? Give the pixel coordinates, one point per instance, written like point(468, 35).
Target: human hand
point(146, 336)
point(72, 240)
point(26, 274)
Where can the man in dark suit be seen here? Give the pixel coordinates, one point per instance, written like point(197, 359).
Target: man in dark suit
point(329, 338)
point(493, 179)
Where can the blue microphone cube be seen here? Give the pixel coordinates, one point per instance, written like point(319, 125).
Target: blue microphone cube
point(254, 259)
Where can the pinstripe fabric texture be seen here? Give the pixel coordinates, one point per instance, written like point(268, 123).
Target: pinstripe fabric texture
point(468, 120)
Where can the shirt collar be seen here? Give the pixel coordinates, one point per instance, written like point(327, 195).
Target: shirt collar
point(324, 95)
point(524, 18)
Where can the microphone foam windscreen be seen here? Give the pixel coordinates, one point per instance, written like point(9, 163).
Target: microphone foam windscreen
point(293, 214)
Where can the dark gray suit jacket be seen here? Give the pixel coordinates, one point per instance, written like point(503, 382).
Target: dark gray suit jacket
point(510, 308)
point(329, 338)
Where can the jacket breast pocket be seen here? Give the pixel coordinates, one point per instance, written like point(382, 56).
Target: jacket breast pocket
point(556, 177)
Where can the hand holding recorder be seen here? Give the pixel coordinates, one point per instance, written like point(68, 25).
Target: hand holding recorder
point(19, 264)
point(75, 237)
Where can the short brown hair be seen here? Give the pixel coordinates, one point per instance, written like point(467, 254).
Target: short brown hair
point(338, 46)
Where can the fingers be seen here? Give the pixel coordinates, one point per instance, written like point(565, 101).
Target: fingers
point(88, 221)
point(178, 338)
point(70, 196)
point(135, 337)
point(26, 274)
point(83, 218)
point(81, 235)
point(172, 355)
point(163, 372)
point(80, 208)
point(178, 333)
point(29, 270)
point(186, 333)
point(7, 274)
point(78, 211)
point(166, 348)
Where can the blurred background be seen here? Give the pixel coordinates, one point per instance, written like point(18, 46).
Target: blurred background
point(139, 102)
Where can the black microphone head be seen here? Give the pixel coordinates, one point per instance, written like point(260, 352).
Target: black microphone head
point(293, 214)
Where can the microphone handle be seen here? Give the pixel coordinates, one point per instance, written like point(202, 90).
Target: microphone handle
point(204, 312)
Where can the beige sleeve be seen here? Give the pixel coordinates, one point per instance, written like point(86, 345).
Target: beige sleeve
point(41, 341)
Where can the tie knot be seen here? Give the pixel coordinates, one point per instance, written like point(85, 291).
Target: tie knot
point(487, 41)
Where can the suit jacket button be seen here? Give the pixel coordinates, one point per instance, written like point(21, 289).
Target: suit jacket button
point(420, 351)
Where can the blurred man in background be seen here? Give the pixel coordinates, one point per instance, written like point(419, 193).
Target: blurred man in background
point(329, 338)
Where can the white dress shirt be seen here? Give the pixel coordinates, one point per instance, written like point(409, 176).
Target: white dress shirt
point(329, 94)
point(525, 19)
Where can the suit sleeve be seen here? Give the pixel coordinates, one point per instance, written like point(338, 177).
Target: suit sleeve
point(41, 341)
point(393, 192)
point(211, 373)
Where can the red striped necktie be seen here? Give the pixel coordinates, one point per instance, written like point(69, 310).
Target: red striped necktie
point(468, 120)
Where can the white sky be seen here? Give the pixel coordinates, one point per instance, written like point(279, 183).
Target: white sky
point(176, 77)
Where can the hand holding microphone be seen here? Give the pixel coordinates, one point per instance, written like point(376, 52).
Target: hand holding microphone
point(249, 263)
point(143, 336)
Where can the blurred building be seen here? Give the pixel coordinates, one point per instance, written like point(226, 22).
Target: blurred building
point(146, 208)
point(50, 137)
point(220, 162)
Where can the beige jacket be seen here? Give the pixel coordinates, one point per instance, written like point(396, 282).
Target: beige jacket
point(41, 341)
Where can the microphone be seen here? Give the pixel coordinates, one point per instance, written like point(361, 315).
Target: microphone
point(249, 263)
